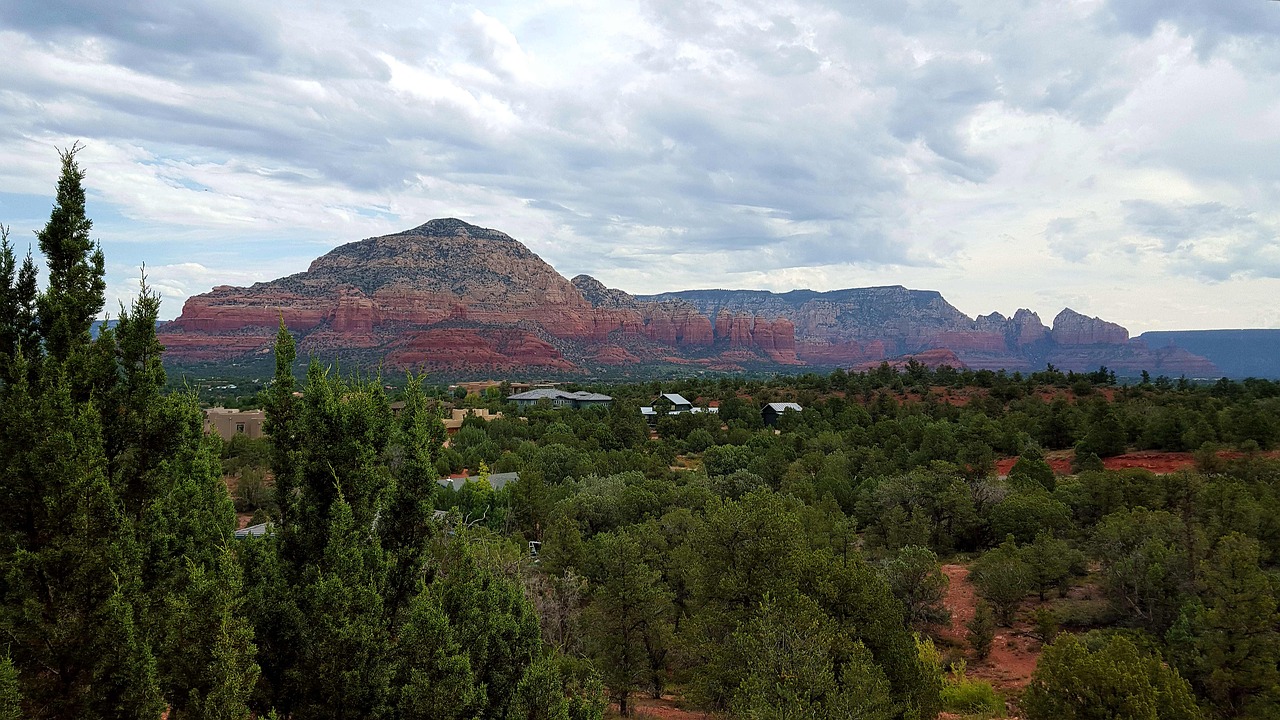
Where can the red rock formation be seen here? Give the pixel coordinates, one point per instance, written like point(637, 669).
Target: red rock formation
point(932, 359)
point(1072, 328)
point(460, 349)
point(450, 294)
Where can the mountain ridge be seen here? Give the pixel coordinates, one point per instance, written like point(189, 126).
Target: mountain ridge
point(450, 295)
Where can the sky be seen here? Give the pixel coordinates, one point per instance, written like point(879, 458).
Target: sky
point(1119, 157)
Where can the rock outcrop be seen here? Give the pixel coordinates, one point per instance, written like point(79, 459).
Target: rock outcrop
point(439, 294)
point(453, 296)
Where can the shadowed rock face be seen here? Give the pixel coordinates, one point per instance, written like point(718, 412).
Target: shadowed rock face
point(451, 295)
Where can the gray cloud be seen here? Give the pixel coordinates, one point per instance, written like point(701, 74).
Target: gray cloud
point(1209, 240)
point(745, 137)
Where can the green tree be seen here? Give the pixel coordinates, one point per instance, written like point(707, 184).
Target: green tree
point(790, 670)
point(1031, 470)
point(628, 622)
point(10, 695)
point(1228, 640)
point(118, 595)
point(981, 630)
point(917, 581)
point(1003, 579)
point(19, 332)
point(75, 294)
point(1146, 572)
point(1112, 680)
point(1052, 562)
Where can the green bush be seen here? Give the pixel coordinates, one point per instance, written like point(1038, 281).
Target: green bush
point(970, 697)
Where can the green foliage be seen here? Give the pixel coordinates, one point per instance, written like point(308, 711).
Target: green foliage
point(1228, 640)
point(917, 581)
point(790, 672)
point(1146, 571)
point(980, 631)
point(629, 621)
point(10, 695)
point(76, 266)
point(1052, 563)
point(961, 694)
point(1112, 680)
point(119, 597)
point(1003, 578)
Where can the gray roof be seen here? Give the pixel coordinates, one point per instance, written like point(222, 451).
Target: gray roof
point(252, 531)
point(553, 394)
point(781, 407)
point(676, 398)
point(496, 480)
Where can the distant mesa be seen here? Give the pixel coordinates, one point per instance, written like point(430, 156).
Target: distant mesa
point(451, 296)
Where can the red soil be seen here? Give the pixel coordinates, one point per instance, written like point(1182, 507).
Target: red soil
point(1013, 653)
point(1157, 462)
point(666, 708)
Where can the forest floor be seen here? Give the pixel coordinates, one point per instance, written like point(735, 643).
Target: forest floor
point(666, 708)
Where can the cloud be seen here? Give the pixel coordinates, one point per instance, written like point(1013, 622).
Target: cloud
point(971, 147)
point(1209, 240)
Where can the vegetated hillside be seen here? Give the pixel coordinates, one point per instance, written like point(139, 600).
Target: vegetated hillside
point(456, 297)
point(1236, 353)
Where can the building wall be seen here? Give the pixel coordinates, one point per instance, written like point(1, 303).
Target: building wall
point(229, 423)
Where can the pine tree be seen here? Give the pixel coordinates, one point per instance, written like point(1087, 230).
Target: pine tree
point(629, 618)
point(1228, 640)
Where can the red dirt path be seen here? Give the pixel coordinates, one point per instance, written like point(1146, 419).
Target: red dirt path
point(1013, 654)
point(665, 709)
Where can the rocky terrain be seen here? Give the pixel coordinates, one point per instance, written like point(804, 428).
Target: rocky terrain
point(452, 296)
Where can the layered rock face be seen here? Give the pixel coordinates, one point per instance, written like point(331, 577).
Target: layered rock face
point(453, 296)
point(438, 295)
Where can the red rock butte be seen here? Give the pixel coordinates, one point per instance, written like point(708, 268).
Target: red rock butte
point(453, 296)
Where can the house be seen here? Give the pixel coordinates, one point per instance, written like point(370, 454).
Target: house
point(561, 398)
point(228, 422)
point(496, 480)
point(453, 422)
point(771, 412)
point(252, 531)
point(678, 403)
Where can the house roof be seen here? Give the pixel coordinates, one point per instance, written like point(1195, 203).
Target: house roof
point(782, 407)
point(554, 394)
point(252, 531)
point(496, 480)
point(676, 399)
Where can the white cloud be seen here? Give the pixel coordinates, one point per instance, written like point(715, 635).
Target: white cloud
point(990, 150)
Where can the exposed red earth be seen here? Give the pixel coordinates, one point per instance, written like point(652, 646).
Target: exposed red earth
point(1156, 461)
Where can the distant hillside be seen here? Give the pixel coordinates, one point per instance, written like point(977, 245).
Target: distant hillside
point(1237, 353)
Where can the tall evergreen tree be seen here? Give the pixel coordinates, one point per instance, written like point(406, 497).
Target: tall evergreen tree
point(77, 283)
point(115, 520)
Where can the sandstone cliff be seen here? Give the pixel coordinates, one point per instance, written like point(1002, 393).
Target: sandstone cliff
point(453, 296)
point(437, 295)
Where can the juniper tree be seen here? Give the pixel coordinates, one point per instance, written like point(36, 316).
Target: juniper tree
point(77, 283)
point(115, 520)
